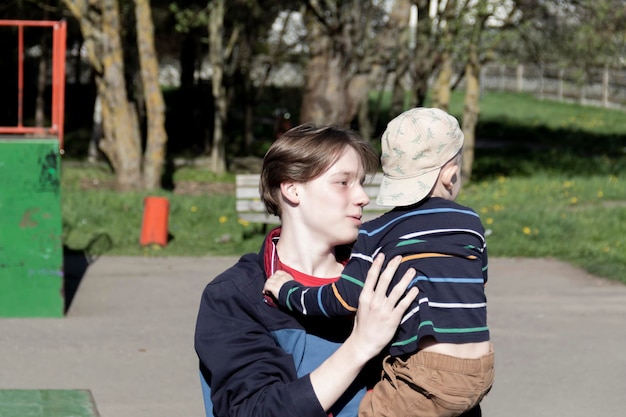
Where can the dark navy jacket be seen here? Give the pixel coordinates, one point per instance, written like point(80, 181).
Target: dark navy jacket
point(255, 359)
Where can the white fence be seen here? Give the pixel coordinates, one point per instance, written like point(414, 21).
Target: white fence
point(602, 87)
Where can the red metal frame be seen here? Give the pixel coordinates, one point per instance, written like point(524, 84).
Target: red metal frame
point(59, 36)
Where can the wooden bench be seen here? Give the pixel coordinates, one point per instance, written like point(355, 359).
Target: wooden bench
point(249, 206)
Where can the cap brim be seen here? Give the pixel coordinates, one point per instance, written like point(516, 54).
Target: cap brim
point(406, 191)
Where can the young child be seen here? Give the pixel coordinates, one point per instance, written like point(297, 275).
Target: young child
point(441, 361)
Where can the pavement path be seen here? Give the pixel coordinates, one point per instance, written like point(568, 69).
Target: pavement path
point(559, 335)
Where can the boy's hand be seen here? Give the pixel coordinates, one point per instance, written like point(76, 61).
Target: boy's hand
point(273, 283)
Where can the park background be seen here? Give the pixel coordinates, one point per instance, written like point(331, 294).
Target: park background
point(173, 99)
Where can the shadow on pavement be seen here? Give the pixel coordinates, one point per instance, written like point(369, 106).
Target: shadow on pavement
point(77, 261)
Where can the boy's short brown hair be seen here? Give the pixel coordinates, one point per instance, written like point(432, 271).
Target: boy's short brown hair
point(305, 152)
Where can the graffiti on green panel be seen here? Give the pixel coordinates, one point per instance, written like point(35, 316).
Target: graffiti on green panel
point(31, 251)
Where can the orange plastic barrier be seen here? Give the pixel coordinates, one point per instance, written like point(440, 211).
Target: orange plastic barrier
point(155, 218)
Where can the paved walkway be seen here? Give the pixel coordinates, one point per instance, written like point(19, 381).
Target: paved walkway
point(560, 338)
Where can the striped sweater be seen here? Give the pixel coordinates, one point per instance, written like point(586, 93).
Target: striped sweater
point(445, 243)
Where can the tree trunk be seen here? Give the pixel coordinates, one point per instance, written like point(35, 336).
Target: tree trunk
point(121, 143)
point(399, 22)
point(441, 93)
point(333, 86)
point(154, 156)
point(426, 56)
point(345, 60)
point(325, 99)
point(471, 111)
point(216, 54)
point(100, 26)
point(365, 125)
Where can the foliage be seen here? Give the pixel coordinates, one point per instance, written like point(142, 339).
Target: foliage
point(570, 33)
point(548, 182)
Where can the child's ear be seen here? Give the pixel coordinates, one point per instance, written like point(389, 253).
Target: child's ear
point(449, 175)
point(289, 190)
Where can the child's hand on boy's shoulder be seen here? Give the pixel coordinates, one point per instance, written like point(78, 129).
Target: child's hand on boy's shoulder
point(273, 284)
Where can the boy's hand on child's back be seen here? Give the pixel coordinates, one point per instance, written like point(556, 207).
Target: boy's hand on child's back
point(274, 282)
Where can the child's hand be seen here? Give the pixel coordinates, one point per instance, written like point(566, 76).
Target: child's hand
point(273, 283)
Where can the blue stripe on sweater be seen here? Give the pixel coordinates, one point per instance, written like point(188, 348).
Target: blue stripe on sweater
point(417, 213)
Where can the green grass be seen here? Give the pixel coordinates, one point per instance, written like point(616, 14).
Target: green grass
point(581, 220)
point(107, 221)
point(548, 181)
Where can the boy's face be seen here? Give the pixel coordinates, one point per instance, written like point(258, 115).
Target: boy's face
point(333, 202)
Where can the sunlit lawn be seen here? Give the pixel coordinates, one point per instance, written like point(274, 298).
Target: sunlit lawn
point(581, 220)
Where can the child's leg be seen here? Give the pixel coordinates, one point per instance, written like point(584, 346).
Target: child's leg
point(429, 385)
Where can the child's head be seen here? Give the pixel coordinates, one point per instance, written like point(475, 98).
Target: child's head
point(305, 152)
point(415, 146)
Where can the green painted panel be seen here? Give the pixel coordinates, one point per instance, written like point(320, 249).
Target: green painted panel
point(31, 250)
point(47, 403)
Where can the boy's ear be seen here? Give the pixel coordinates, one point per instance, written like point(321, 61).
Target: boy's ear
point(449, 175)
point(289, 190)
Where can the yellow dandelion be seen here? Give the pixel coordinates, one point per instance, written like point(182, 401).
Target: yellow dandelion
point(194, 209)
point(501, 179)
point(243, 222)
point(605, 249)
point(223, 219)
point(497, 207)
point(567, 184)
point(489, 220)
point(600, 194)
point(573, 200)
point(484, 210)
point(526, 230)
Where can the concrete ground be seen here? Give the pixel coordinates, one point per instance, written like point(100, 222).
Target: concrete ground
point(559, 336)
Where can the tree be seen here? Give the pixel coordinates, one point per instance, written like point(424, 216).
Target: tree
point(217, 58)
point(339, 36)
point(154, 157)
point(463, 45)
point(237, 33)
point(471, 108)
point(101, 27)
point(100, 24)
point(389, 64)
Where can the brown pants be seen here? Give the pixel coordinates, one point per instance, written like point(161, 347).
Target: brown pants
point(429, 384)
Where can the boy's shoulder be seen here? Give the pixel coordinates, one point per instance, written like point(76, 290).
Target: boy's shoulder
point(400, 214)
point(245, 275)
